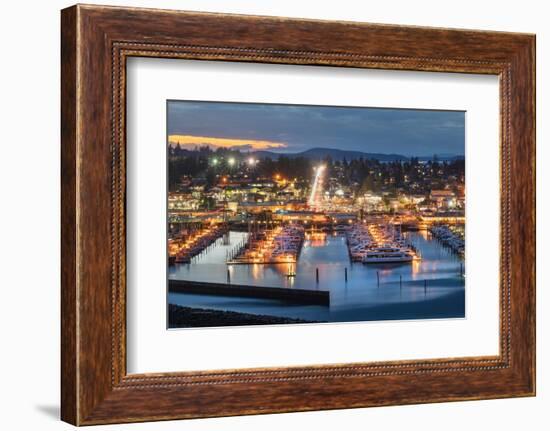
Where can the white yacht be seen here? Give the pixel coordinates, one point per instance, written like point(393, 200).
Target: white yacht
point(387, 255)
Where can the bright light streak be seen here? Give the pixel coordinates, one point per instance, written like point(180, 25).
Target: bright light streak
point(316, 189)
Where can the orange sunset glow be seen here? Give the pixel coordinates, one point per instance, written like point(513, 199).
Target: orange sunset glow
point(214, 143)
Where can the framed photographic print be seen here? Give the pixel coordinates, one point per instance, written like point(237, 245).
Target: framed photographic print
point(286, 207)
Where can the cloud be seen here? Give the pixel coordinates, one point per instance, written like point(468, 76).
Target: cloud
point(297, 128)
point(212, 142)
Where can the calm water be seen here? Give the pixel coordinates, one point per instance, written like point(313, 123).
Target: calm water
point(361, 298)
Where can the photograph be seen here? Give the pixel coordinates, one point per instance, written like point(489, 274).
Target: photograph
point(292, 214)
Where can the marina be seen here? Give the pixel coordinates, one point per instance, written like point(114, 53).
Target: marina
point(358, 291)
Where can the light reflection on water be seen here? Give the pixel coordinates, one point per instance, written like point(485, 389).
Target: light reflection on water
point(433, 285)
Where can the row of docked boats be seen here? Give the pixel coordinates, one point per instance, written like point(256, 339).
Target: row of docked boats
point(279, 245)
point(186, 245)
point(452, 237)
point(375, 243)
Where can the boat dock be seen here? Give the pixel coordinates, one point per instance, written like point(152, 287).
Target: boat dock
point(378, 243)
point(299, 296)
point(279, 245)
point(450, 236)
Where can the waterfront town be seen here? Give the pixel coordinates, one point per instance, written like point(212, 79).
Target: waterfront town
point(277, 201)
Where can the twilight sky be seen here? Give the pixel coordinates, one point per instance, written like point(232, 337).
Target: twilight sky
point(295, 128)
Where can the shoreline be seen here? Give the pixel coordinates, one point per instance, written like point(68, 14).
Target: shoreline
point(190, 317)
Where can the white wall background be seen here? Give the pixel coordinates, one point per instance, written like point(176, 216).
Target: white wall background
point(29, 214)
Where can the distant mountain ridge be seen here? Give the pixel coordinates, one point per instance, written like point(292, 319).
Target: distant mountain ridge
point(336, 154)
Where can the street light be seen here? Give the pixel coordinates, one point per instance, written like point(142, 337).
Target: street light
point(251, 161)
point(214, 161)
point(231, 161)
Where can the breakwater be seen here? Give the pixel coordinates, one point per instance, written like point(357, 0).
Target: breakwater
point(299, 296)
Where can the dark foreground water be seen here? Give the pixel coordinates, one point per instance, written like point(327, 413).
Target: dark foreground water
point(430, 288)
